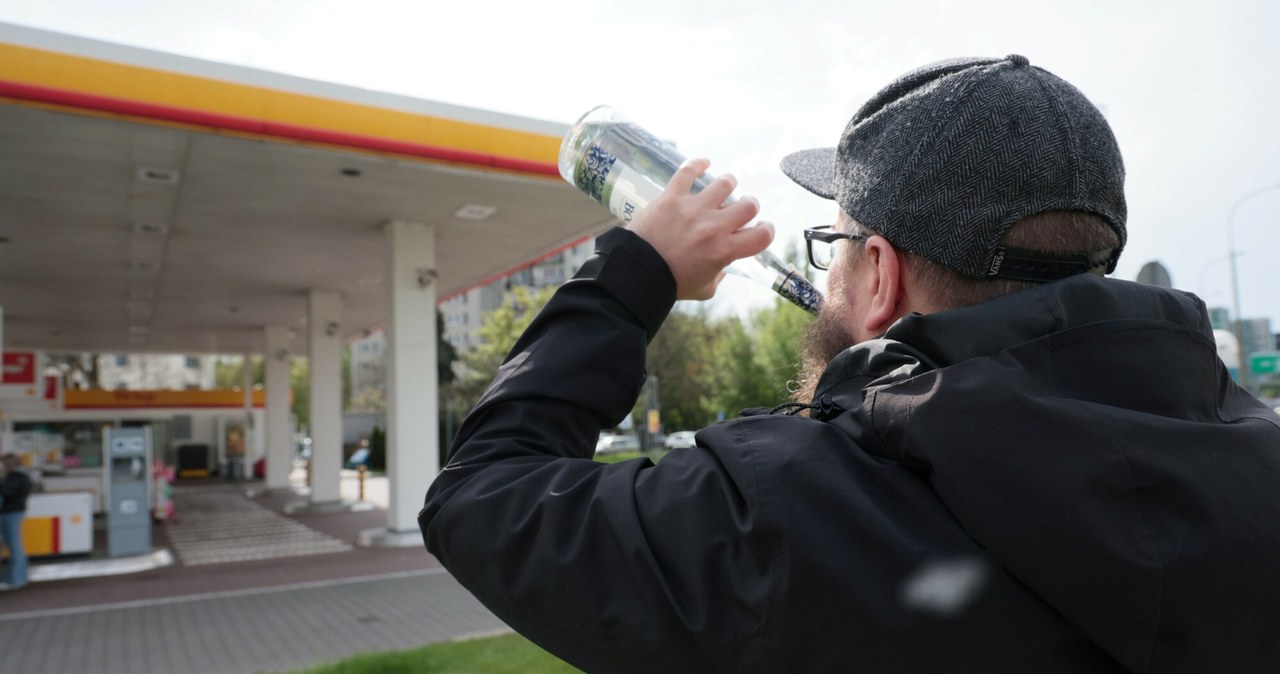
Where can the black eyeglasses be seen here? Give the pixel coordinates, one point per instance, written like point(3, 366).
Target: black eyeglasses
point(820, 243)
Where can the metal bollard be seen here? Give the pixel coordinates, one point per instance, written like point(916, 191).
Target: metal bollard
point(362, 473)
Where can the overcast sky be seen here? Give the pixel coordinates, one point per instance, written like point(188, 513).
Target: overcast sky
point(1192, 89)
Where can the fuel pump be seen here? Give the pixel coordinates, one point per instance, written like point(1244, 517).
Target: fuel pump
point(128, 453)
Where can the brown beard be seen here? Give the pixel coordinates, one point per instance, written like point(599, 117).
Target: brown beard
point(823, 341)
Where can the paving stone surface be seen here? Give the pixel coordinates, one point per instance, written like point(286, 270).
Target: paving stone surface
point(270, 593)
point(215, 529)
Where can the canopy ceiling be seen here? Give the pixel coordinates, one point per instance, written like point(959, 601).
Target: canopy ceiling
point(132, 220)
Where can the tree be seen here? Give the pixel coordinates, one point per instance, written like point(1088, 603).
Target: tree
point(300, 384)
point(378, 449)
point(228, 372)
point(446, 355)
point(368, 399)
point(756, 362)
point(345, 373)
point(737, 381)
point(779, 332)
point(707, 368)
point(679, 357)
point(498, 332)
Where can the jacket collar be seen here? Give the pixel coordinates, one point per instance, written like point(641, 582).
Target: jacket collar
point(918, 343)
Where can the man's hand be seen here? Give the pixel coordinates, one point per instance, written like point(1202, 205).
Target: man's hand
point(698, 234)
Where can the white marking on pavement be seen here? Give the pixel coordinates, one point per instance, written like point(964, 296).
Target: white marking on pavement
point(214, 529)
point(160, 601)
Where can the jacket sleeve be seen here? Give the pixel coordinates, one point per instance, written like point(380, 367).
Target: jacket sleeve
point(605, 565)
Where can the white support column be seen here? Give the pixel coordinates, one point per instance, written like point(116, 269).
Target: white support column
point(412, 388)
point(279, 440)
point(324, 345)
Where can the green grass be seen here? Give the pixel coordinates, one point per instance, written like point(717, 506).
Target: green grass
point(624, 456)
point(508, 654)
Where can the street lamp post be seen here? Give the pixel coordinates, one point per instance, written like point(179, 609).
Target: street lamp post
point(1237, 319)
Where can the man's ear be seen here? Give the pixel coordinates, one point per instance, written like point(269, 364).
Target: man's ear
point(887, 291)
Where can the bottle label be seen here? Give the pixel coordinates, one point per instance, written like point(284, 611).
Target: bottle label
point(799, 291)
point(628, 191)
point(593, 172)
point(624, 167)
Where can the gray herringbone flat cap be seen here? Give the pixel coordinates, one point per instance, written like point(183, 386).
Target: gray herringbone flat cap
point(943, 161)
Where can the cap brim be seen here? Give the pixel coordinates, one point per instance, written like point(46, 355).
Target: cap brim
point(814, 170)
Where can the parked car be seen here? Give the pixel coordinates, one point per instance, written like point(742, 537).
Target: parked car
point(608, 444)
point(680, 440)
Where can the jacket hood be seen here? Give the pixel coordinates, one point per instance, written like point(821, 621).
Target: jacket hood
point(921, 342)
point(1087, 435)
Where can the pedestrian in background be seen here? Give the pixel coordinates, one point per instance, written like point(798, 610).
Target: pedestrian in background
point(14, 489)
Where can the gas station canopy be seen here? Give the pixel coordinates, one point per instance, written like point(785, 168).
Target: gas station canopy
point(156, 203)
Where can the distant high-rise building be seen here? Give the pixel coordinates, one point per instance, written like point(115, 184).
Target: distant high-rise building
point(368, 363)
point(154, 371)
point(463, 313)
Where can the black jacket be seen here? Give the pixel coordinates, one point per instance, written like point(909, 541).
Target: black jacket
point(1060, 480)
point(15, 487)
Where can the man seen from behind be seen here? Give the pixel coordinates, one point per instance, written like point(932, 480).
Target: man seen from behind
point(1002, 460)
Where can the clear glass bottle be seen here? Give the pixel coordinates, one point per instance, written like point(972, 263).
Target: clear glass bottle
point(624, 167)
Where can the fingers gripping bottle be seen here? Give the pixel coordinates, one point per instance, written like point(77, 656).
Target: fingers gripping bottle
point(624, 167)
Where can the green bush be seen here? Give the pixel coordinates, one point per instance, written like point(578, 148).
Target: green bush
point(654, 456)
point(378, 449)
point(508, 654)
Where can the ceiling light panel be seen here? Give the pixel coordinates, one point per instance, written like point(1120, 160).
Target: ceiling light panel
point(152, 175)
point(475, 212)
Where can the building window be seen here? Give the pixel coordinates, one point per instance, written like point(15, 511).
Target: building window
point(193, 362)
